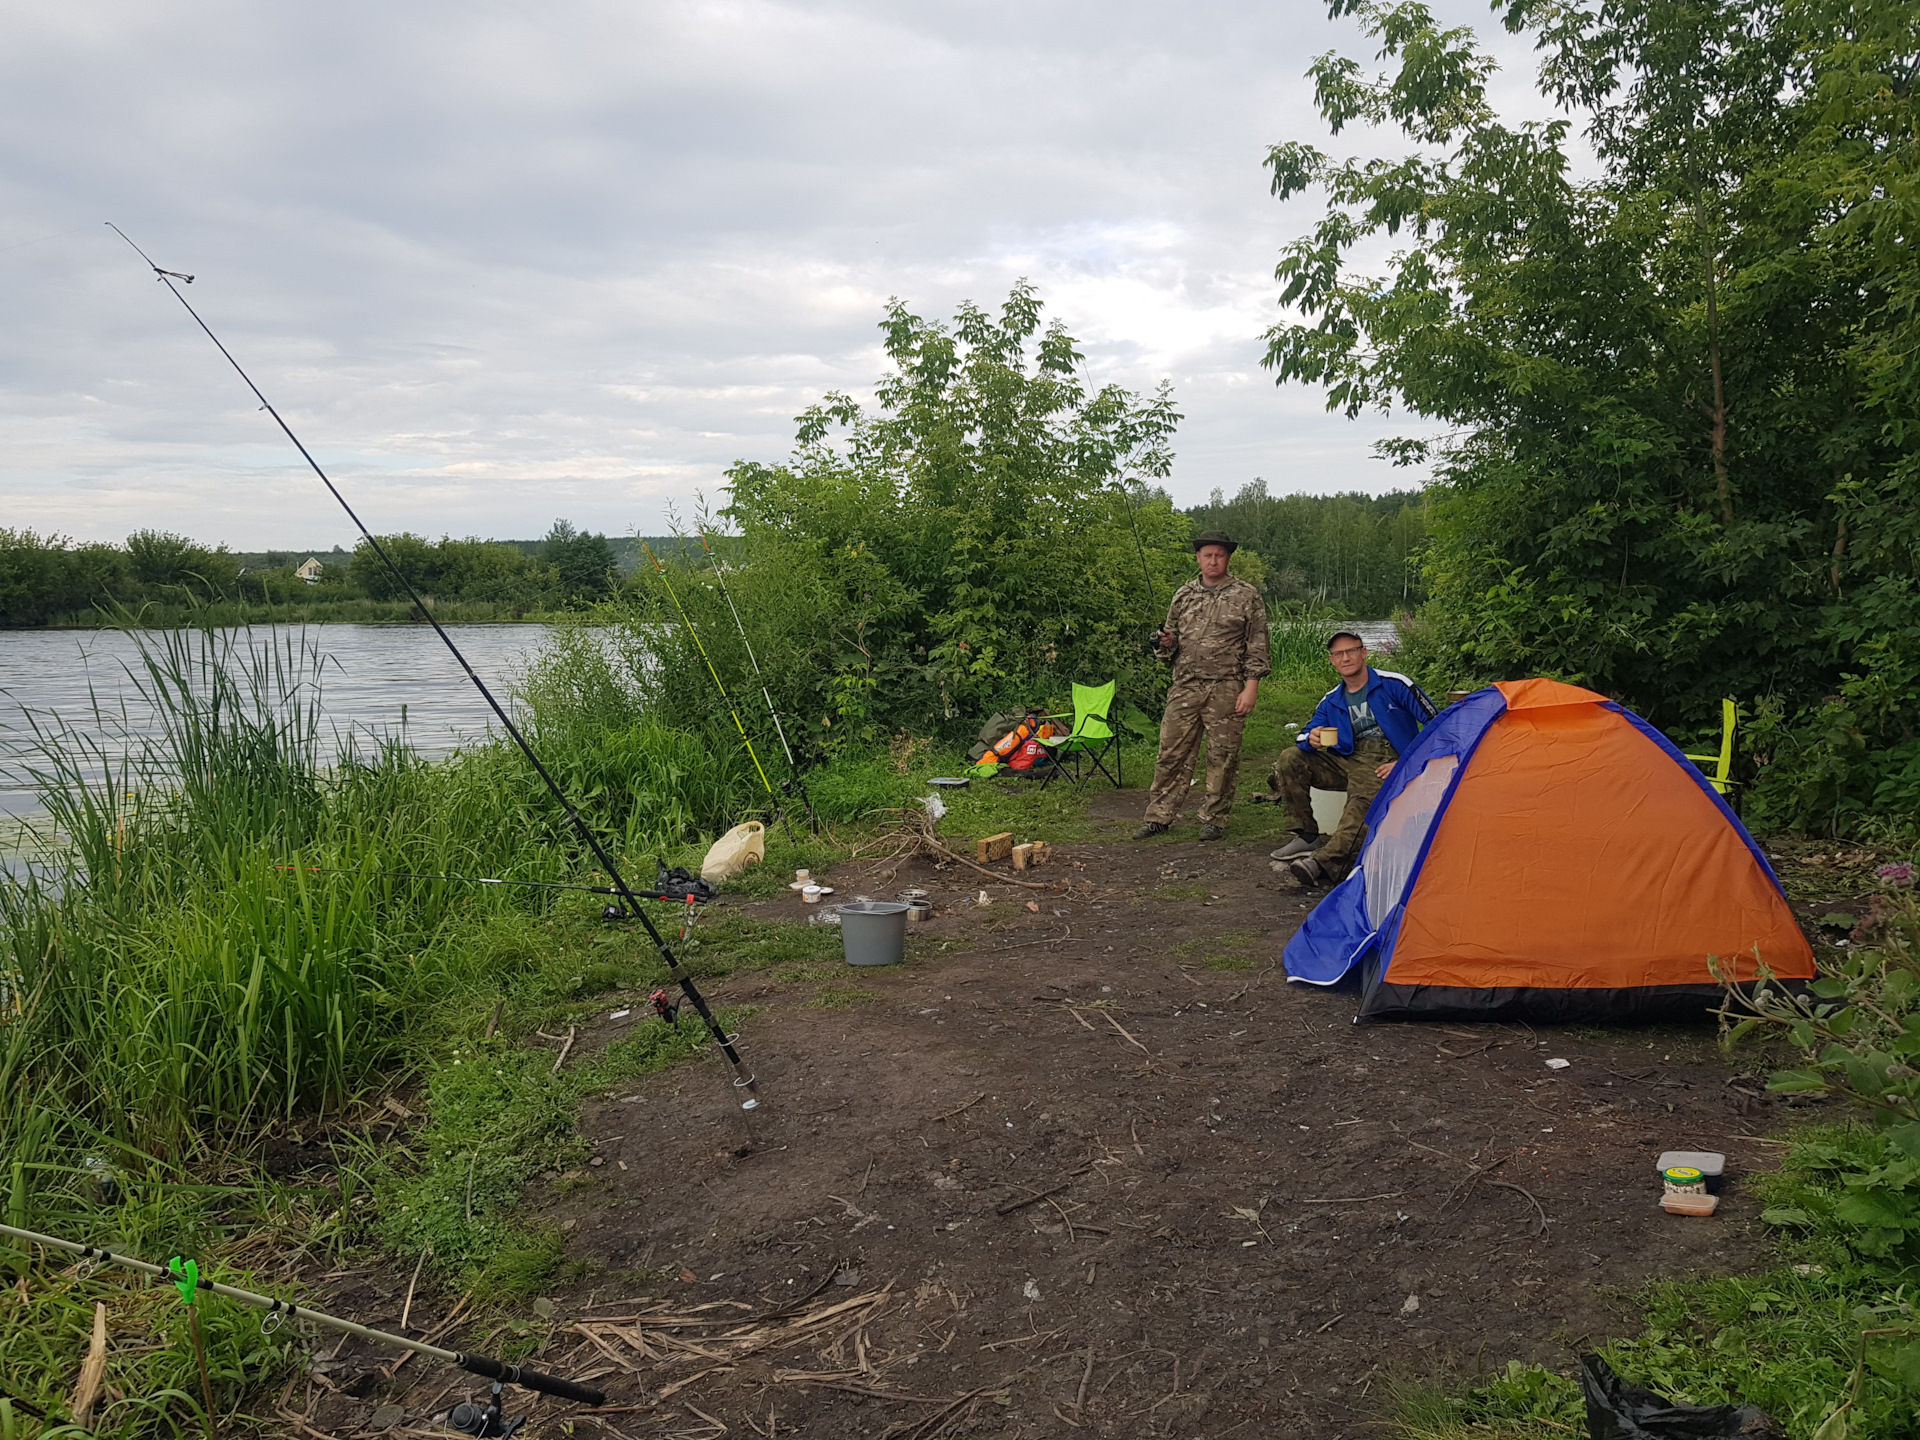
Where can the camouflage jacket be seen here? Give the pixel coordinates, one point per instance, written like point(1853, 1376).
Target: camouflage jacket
point(1218, 634)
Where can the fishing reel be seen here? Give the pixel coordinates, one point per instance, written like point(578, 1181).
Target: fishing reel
point(668, 1010)
point(471, 1419)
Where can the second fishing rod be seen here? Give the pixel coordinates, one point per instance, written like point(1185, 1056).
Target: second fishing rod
point(794, 777)
point(779, 810)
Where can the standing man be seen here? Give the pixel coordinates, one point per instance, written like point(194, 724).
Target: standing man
point(1360, 729)
point(1216, 636)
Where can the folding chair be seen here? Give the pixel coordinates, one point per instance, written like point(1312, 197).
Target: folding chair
point(1092, 736)
point(1723, 762)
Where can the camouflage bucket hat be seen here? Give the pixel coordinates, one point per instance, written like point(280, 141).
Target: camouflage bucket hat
point(1214, 537)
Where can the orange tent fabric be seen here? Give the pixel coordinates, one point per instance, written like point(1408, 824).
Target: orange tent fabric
point(1576, 854)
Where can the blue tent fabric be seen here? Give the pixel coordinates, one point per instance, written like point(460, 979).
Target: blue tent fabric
point(1338, 933)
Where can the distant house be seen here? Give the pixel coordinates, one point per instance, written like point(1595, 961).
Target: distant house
point(310, 570)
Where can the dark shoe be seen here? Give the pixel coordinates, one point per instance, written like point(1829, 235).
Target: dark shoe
point(1299, 845)
point(1213, 832)
point(1307, 870)
point(1149, 830)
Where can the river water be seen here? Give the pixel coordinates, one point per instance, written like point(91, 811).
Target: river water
point(378, 680)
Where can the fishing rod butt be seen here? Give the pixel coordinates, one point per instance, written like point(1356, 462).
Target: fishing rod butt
point(504, 1374)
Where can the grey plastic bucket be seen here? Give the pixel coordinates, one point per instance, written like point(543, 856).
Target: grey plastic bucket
point(874, 932)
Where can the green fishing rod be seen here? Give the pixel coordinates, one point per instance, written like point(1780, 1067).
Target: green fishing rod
point(793, 766)
point(186, 1275)
point(726, 699)
point(1153, 586)
point(743, 1078)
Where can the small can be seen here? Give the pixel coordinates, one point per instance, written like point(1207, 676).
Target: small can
point(810, 895)
point(1684, 1180)
point(919, 911)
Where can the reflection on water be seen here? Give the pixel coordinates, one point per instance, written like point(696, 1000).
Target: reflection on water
point(380, 680)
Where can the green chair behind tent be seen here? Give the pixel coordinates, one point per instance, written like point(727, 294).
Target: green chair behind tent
point(1093, 735)
point(1722, 764)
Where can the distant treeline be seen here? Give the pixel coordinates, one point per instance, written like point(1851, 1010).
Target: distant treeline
point(1359, 553)
point(164, 577)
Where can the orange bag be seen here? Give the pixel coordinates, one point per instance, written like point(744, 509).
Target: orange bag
point(1010, 742)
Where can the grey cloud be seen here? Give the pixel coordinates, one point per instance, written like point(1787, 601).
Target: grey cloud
point(500, 263)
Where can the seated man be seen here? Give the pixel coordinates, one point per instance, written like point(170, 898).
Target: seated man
point(1356, 734)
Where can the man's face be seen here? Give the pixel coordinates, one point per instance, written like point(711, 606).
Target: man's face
point(1349, 657)
point(1213, 563)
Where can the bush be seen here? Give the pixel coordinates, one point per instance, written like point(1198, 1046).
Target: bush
point(968, 545)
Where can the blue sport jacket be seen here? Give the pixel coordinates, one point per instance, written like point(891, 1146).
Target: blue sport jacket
point(1401, 707)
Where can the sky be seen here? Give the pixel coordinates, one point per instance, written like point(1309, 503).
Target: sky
point(503, 264)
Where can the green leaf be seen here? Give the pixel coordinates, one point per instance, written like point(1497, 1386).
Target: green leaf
point(1785, 1215)
point(1789, 1082)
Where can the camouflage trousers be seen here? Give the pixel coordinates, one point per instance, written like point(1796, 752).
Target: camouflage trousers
point(1197, 708)
point(1298, 772)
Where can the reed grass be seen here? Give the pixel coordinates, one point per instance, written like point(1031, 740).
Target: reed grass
point(185, 976)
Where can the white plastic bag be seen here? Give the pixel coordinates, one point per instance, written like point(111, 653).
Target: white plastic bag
point(734, 851)
point(936, 807)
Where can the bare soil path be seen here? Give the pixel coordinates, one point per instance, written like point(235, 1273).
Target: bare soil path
point(1098, 1167)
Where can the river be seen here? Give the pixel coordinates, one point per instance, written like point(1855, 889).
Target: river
point(379, 680)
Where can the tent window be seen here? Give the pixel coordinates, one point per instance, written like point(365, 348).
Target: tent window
point(1389, 861)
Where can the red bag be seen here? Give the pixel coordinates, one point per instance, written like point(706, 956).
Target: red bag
point(1028, 755)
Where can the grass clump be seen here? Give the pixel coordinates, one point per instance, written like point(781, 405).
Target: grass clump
point(499, 1116)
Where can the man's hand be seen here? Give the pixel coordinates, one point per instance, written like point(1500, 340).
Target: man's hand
point(1249, 697)
point(1384, 770)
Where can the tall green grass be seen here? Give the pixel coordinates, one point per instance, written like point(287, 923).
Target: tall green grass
point(189, 974)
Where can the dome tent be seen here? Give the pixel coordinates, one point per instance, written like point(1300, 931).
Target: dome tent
point(1541, 851)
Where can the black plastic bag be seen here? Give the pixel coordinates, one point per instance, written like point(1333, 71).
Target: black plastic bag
point(1619, 1411)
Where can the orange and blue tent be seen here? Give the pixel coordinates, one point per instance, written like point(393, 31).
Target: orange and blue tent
point(1541, 851)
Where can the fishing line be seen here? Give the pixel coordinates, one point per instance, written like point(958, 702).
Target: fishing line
point(726, 699)
point(743, 1079)
point(674, 885)
point(279, 1311)
point(793, 766)
point(1153, 586)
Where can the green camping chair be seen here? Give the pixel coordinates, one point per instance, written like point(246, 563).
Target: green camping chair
point(1717, 768)
point(1092, 736)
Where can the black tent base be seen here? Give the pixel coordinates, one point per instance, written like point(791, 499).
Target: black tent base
point(1551, 1007)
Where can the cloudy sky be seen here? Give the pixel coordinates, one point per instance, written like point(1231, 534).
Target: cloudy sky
point(502, 263)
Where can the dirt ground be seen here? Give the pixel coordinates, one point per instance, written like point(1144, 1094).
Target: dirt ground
point(1092, 1164)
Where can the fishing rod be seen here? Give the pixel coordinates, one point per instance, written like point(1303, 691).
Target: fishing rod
point(793, 766)
point(726, 699)
point(743, 1078)
point(185, 1274)
point(1153, 586)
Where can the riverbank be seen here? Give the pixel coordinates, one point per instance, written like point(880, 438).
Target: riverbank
point(448, 1107)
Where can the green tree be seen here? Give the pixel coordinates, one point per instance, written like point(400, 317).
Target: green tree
point(582, 562)
point(1354, 552)
point(161, 560)
point(964, 545)
point(1682, 464)
point(45, 577)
